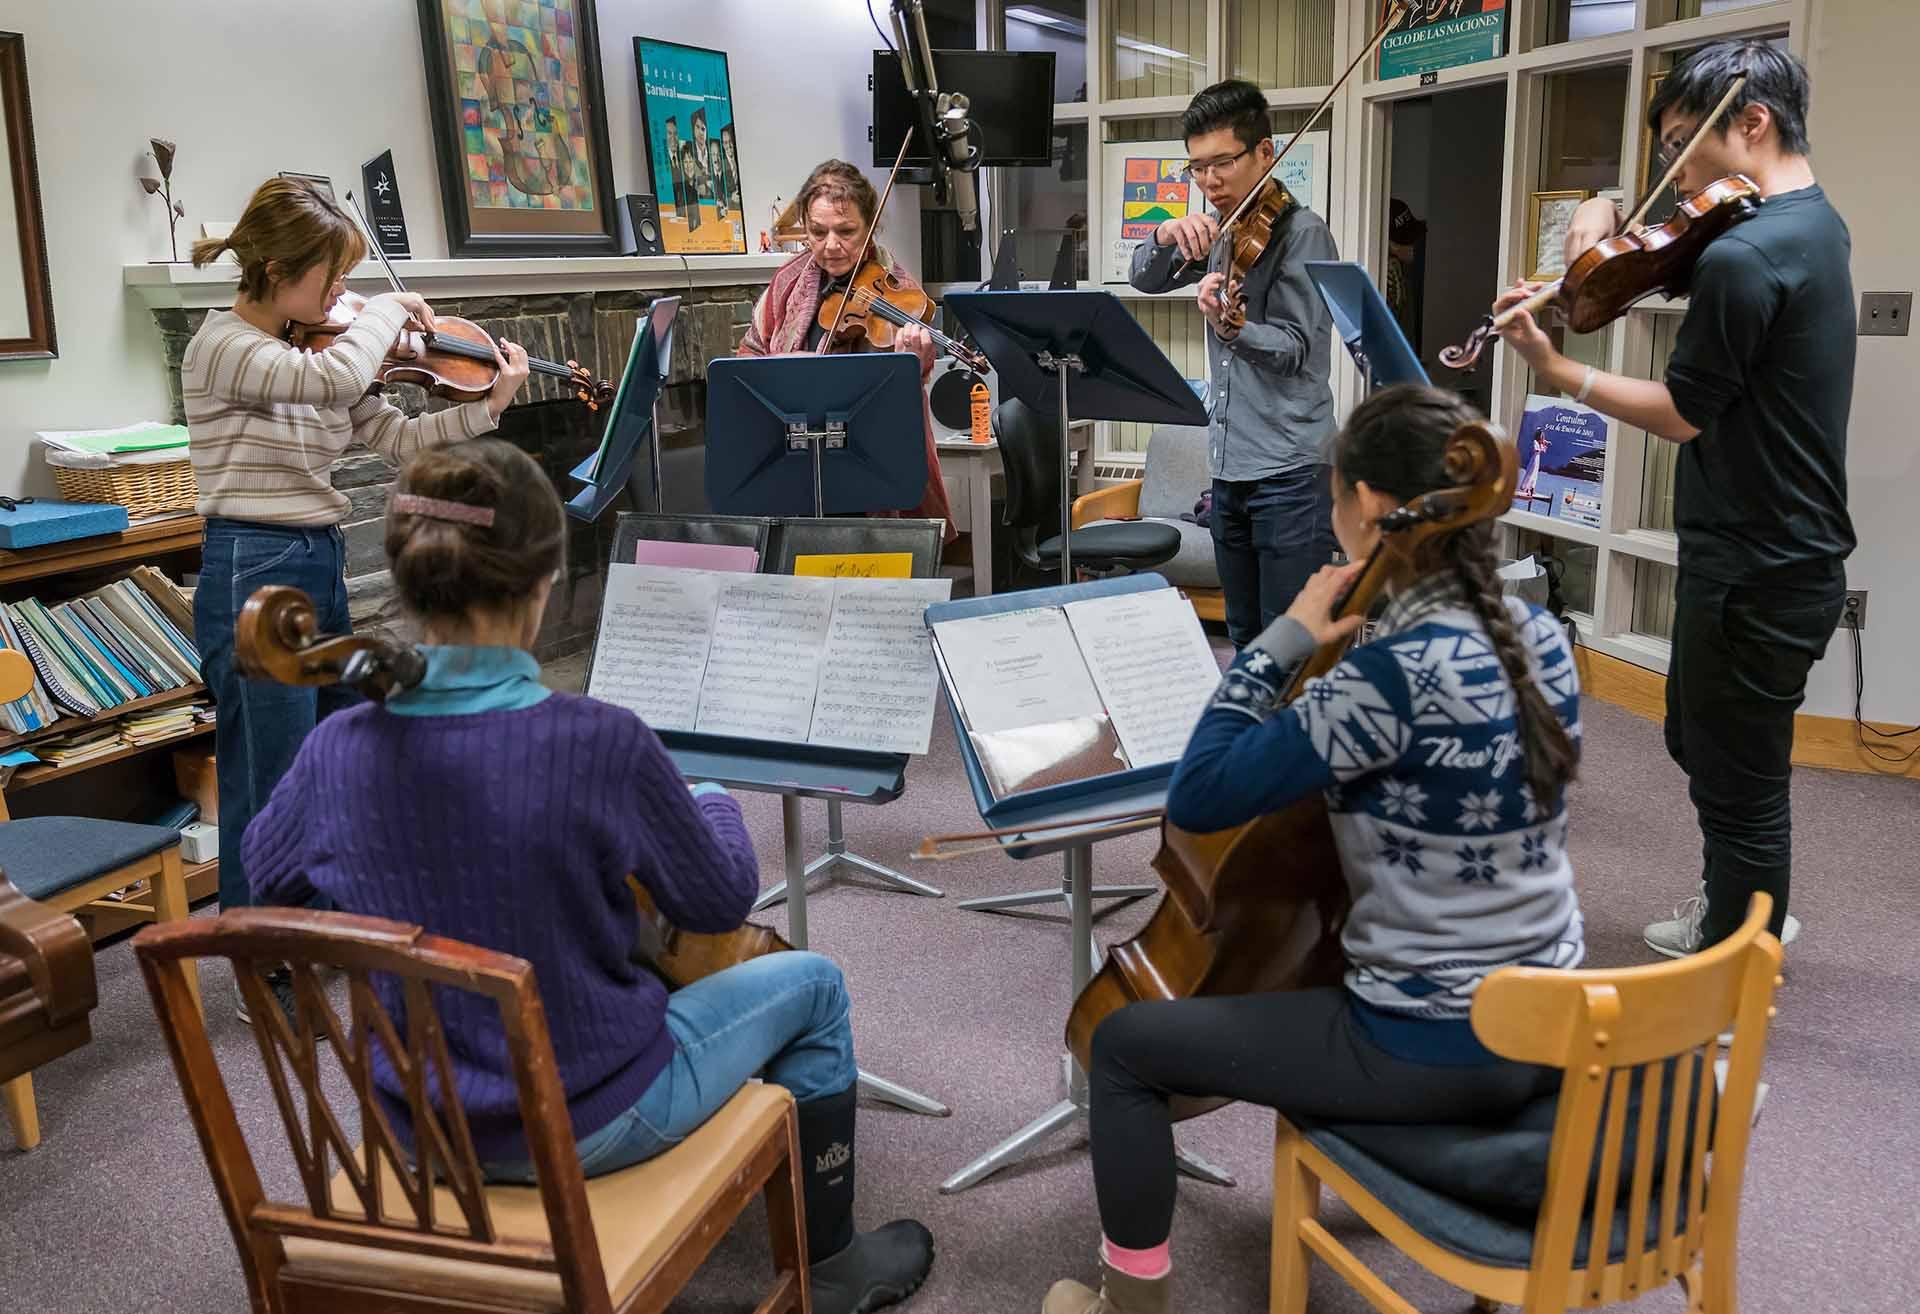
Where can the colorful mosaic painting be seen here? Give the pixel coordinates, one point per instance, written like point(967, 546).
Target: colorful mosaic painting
point(523, 128)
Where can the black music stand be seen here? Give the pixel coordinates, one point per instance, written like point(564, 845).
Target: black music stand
point(1082, 355)
point(815, 435)
point(1366, 324)
point(633, 418)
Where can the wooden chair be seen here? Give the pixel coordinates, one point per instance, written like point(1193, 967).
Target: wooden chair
point(66, 863)
point(388, 1232)
point(46, 994)
point(1618, 1036)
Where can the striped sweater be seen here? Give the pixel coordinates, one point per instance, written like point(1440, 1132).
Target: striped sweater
point(266, 421)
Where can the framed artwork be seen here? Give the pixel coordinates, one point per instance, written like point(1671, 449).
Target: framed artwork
point(693, 148)
point(1549, 215)
point(519, 127)
point(26, 292)
point(320, 181)
point(1146, 185)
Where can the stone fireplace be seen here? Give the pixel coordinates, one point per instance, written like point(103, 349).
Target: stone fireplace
point(593, 327)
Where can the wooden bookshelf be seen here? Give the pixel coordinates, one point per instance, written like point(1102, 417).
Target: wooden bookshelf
point(47, 772)
point(131, 547)
point(67, 725)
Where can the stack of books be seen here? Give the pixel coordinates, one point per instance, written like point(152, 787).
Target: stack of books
point(142, 728)
point(94, 653)
point(81, 747)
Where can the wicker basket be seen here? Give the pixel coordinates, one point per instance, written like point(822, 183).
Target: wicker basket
point(144, 490)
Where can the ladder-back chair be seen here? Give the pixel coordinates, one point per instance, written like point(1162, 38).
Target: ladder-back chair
point(382, 1228)
point(1637, 1139)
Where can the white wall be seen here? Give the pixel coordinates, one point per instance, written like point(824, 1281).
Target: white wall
point(248, 89)
point(1862, 80)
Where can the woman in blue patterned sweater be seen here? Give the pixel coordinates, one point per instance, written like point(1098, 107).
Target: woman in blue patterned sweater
point(1443, 748)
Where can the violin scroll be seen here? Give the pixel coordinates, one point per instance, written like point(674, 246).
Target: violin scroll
point(278, 639)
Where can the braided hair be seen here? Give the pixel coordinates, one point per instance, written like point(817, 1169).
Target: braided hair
point(1395, 441)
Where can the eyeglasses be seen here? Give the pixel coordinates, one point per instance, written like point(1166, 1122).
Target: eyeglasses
point(1202, 168)
point(1670, 148)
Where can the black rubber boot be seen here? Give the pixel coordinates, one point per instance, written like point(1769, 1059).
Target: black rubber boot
point(851, 1273)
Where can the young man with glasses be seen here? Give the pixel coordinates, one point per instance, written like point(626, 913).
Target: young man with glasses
point(1757, 393)
point(1272, 411)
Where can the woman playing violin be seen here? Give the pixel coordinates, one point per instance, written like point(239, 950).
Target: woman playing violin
point(838, 206)
point(266, 421)
point(1757, 393)
point(1443, 748)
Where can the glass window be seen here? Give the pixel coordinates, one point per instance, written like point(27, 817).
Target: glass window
point(1177, 329)
point(1573, 563)
point(1678, 11)
point(1046, 204)
point(1583, 121)
point(1059, 26)
point(1282, 43)
point(1653, 599)
point(1656, 477)
point(1576, 20)
point(1155, 47)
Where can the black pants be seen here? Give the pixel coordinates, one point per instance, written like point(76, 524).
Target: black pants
point(1302, 1052)
point(1269, 536)
point(1737, 674)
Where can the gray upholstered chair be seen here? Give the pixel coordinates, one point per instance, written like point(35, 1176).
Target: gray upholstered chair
point(1175, 476)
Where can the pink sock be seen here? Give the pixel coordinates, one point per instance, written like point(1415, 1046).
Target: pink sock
point(1147, 1265)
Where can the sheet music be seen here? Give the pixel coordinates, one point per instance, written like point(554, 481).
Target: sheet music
point(1152, 665)
point(1016, 669)
point(656, 627)
point(768, 634)
point(878, 682)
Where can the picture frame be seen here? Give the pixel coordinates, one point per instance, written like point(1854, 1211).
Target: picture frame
point(1549, 214)
point(1650, 168)
point(26, 288)
point(520, 127)
point(320, 181)
point(692, 145)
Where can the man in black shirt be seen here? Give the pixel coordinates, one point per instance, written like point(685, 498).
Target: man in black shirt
point(1757, 393)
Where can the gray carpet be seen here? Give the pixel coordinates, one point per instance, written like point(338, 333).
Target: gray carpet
point(115, 1212)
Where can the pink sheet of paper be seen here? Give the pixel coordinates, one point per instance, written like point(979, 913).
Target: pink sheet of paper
point(697, 556)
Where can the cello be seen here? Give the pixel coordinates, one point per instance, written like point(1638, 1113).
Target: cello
point(278, 639)
point(1260, 907)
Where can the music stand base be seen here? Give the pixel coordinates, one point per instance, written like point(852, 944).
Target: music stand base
point(899, 1096)
point(1067, 1112)
point(836, 858)
point(1027, 899)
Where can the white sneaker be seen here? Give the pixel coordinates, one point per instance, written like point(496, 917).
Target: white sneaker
point(1679, 935)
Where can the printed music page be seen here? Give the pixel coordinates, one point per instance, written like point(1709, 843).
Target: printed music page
point(1016, 669)
point(878, 682)
point(1152, 665)
point(656, 626)
point(768, 634)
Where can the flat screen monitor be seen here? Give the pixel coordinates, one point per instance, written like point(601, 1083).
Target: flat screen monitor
point(1010, 100)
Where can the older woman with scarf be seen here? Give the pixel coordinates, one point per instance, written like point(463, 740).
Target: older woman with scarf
point(838, 205)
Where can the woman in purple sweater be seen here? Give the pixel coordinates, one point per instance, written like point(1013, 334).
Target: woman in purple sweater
point(490, 809)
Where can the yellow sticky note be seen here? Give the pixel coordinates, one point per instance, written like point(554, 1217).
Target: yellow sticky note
point(857, 565)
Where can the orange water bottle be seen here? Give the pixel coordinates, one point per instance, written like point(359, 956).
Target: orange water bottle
point(982, 412)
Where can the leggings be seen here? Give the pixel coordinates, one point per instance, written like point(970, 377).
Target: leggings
point(1300, 1052)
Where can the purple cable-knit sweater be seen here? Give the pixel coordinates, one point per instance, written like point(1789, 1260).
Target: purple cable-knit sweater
point(513, 830)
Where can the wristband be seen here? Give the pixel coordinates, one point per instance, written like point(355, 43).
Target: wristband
point(1586, 387)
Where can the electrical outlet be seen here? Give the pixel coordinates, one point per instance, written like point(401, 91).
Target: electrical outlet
point(1885, 314)
point(1853, 612)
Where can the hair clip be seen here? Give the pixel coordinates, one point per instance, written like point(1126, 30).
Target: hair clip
point(434, 508)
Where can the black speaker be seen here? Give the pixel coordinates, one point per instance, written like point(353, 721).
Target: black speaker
point(640, 226)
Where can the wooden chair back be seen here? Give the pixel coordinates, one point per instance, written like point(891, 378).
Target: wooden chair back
point(16, 675)
point(46, 983)
point(1653, 1029)
point(258, 939)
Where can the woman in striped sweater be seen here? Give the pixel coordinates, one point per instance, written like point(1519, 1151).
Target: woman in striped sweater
point(266, 422)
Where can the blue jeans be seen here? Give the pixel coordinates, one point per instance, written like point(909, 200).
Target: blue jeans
point(781, 1015)
point(260, 724)
point(1269, 536)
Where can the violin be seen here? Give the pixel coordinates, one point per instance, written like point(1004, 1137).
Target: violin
point(278, 639)
point(1609, 279)
point(875, 306)
point(455, 361)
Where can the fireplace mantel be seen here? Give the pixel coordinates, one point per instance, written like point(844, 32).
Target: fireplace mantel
point(182, 287)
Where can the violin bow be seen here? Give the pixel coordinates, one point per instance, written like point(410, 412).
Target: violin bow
point(1394, 18)
point(939, 848)
point(1463, 356)
point(866, 247)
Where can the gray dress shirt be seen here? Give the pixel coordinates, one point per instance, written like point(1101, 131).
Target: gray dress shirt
point(1272, 408)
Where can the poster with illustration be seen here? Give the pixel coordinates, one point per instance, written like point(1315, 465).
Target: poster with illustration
point(1146, 183)
point(1443, 33)
point(1563, 460)
point(693, 150)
